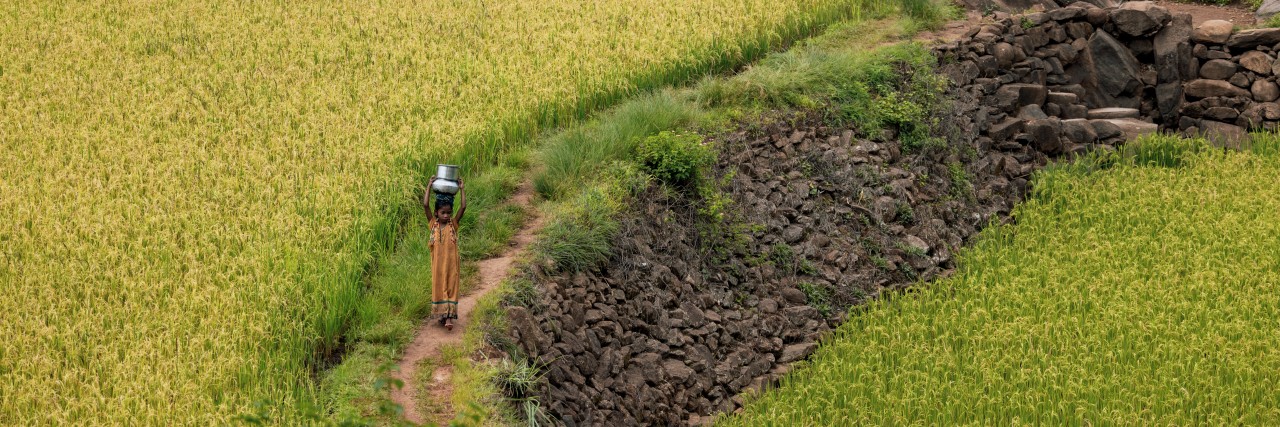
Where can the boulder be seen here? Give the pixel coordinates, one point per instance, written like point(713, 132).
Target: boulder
point(1214, 31)
point(1109, 71)
point(1005, 130)
point(1016, 95)
point(1223, 134)
point(1268, 8)
point(1203, 88)
point(1079, 131)
point(1105, 129)
point(1005, 54)
point(1031, 112)
point(1113, 113)
point(1045, 135)
point(1256, 114)
point(1173, 59)
point(1101, 4)
point(1169, 99)
point(1241, 80)
point(1249, 39)
point(796, 352)
point(1132, 128)
point(1062, 98)
point(1139, 18)
point(1257, 62)
point(1264, 91)
point(794, 296)
point(1217, 69)
point(1223, 114)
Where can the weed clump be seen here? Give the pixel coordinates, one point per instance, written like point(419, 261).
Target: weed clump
point(675, 158)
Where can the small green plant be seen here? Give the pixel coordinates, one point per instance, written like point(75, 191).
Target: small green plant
point(676, 158)
point(1026, 23)
point(819, 296)
point(904, 213)
point(960, 184)
point(880, 262)
point(518, 380)
point(911, 250)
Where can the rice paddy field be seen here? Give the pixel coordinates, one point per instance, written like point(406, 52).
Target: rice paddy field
point(191, 191)
point(1143, 294)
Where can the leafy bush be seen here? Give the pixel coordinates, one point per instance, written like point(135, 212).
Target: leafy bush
point(676, 158)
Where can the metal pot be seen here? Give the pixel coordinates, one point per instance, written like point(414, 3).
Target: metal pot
point(449, 172)
point(446, 179)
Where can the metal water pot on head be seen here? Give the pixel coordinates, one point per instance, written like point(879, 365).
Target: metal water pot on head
point(446, 179)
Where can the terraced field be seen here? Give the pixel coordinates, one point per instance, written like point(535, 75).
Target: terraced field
point(192, 190)
point(1143, 294)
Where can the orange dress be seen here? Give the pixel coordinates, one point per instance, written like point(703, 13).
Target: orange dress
point(445, 268)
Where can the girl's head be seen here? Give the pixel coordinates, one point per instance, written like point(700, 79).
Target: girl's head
point(444, 212)
point(444, 207)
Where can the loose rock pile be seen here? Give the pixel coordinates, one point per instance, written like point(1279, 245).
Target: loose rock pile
point(683, 320)
point(1080, 77)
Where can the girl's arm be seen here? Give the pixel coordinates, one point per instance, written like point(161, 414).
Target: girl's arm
point(462, 201)
point(426, 197)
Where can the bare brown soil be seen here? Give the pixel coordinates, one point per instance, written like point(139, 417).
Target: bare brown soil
point(1235, 13)
point(431, 337)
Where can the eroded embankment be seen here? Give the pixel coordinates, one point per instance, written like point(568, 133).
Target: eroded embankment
point(690, 312)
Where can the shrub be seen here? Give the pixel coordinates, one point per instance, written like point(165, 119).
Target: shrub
point(676, 158)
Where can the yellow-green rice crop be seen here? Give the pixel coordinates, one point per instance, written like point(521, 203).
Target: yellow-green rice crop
point(1138, 295)
point(190, 190)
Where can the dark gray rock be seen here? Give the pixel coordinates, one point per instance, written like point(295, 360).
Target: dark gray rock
point(1062, 98)
point(1079, 131)
point(1076, 111)
point(1014, 96)
point(794, 296)
point(1046, 134)
point(1173, 59)
point(1132, 128)
point(1203, 88)
point(1105, 129)
point(1169, 99)
point(1006, 129)
point(796, 352)
point(1249, 39)
point(1111, 71)
point(1031, 112)
point(1222, 114)
point(1113, 113)
point(1223, 134)
point(677, 371)
point(1139, 18)
point(1217, 69)
point(1258, 114)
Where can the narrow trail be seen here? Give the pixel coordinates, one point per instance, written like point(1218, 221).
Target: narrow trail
point(431, 337)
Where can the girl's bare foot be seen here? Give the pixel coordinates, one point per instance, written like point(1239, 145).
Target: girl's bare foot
point(448, 324)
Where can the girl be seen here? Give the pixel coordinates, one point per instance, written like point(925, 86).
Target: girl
point(445, 262)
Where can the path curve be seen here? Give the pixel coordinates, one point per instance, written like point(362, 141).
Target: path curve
point(431, 337)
